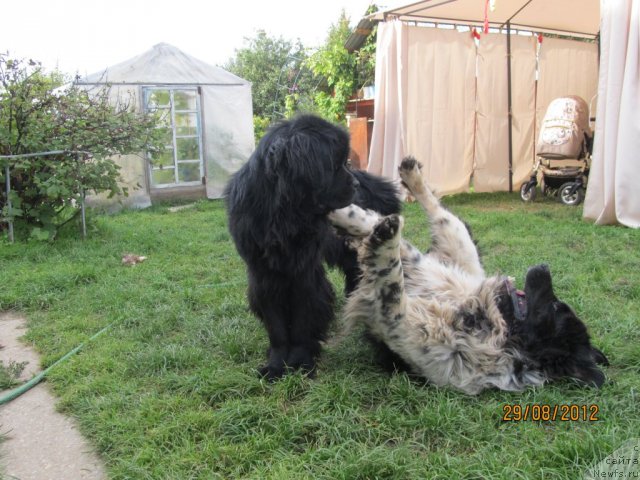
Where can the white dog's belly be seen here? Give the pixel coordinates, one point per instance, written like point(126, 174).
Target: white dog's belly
point(431, 279)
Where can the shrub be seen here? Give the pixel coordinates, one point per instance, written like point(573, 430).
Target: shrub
point(38, 115)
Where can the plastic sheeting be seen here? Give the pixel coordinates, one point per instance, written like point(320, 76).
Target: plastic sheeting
point(430, 104)
point(133, 171)
point(613, 195)
point(228, 136)
point(226, 116)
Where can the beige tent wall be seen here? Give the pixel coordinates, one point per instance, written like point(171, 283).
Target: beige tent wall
point(492, 130)
point(388, 138)
point(567, 67)
point(228, 133)
point(428, 103)
point(523, 67)
point(440, 112)
point(132, 167)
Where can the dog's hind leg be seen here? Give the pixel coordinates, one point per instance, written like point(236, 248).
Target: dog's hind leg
point(451, 240)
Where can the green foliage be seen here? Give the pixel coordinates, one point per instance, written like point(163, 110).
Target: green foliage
point(344, 72)
point(260, 125)
point(275, 68)
point(10, 373)
point(35, 117)
point(333, 62)
point(286, 80)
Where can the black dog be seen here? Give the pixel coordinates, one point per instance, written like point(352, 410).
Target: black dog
point(277, 206)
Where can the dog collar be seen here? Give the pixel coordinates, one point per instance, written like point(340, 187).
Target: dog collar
point(518, 300)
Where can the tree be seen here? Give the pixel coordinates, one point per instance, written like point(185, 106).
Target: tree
point(344, 72)
point(36, 117)
point(275, 67)
point(286, 80)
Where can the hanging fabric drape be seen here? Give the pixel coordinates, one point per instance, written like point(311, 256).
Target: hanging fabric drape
point(613, 195)
point(430, 104)
point(388, 142)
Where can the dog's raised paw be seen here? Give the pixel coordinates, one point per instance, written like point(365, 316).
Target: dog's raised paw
point(409, 163)
point(386, 229)
point(409, 171)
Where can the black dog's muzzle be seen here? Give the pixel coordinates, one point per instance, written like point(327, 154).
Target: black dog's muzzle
point(518, 300)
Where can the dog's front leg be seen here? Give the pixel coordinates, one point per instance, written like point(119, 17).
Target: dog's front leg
point(451, 240)
point(312, 309)
point(266, 302)
point(382, 283)
point(354, 220)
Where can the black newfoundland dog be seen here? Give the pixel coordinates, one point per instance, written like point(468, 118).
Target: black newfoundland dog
point(439, 315)
point(277, 206)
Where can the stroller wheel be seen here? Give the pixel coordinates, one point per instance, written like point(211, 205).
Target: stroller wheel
point(528, 195)
point(569, 198)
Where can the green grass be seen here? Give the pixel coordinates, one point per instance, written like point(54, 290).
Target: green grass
point(10, 374)
point(170, 391)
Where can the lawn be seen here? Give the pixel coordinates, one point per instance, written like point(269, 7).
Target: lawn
point(170, 390)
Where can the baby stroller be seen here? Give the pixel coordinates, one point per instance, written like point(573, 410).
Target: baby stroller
point(565, 134)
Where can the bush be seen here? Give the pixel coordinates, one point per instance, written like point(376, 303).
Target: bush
point(37, 115)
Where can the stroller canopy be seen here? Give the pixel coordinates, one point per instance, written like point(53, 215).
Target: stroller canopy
point(564, 127)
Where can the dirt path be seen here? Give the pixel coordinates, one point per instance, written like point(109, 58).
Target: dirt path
point(40, 443)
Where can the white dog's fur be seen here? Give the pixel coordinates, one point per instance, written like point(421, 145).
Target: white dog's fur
point(438, 311)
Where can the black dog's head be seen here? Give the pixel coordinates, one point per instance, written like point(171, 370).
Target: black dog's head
point(305, 159)
point(553, 335)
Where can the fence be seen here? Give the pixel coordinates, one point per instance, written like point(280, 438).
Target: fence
point(6, 160)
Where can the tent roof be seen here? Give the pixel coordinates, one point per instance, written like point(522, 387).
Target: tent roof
point(578, 18)
point(167, 65)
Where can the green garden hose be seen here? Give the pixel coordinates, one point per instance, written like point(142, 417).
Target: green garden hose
point(16, 392)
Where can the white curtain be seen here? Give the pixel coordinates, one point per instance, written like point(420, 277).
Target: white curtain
point(613, 195)
point(388, 139)
point(435, 70)
point(491, 165)
point(440, 110)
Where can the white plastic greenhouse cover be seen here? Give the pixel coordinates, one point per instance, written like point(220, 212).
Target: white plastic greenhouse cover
point(226, 119)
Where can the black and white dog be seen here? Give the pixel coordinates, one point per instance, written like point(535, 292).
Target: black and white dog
point(448, 321)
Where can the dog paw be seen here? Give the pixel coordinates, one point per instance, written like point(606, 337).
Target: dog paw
point(410, 174)
point(386, 229)
point(300, 358)
point(354, 220)
point(271, 372)
point(409, 163)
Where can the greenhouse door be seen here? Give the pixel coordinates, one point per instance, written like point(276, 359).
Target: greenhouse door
point(180, 163)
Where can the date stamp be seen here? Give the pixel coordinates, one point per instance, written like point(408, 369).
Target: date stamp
point(541, 412)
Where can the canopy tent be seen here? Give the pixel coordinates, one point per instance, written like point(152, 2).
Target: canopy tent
point(613, 195)
point(470, 109)
point(575, 18)
point(205, 112)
